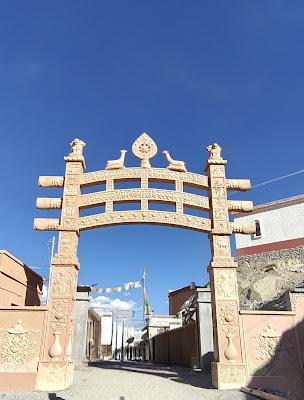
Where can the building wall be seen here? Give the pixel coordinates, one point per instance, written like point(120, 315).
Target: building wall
point(93, 335)
point(281, 223)
point(158, 324)
point(80, 327)
point(22, 330)
point(178, 346)
point(19, 285)
point(178, 297)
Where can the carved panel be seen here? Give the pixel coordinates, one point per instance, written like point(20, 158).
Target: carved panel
point(271, 346)
point(225, 284)
point(228, 317)
point(150, 217)
point(63, 282)
point(231, 374)
point(69, 224)
point(140, 194)
point(221, 246)
point(219, 192)
point(59, 314)
point(221, 227)
point(68, 243)
point(72, 169)
point(152, 173)
point(18, 352)
point(217, 171)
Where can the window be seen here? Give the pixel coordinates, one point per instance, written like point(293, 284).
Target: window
point(258, 230)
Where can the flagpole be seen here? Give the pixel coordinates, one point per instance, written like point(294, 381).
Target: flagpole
point(144, 289)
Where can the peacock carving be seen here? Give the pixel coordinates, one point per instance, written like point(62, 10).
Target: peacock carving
point(119, 163)
point(174, 165)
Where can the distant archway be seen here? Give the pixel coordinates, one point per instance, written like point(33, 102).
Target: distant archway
point(55, 370)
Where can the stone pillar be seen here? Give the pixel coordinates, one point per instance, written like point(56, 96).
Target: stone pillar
point(204, 323)
point(228, 368)
point(80, 327)
point(55, 369)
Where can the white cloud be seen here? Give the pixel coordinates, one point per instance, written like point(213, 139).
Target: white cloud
point(108, 304)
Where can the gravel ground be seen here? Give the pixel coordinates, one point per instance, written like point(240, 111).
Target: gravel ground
point(135, 381)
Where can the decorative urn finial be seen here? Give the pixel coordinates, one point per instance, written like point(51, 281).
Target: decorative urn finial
point(144, 148)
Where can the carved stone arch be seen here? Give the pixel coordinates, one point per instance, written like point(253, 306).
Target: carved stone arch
point(55, 370)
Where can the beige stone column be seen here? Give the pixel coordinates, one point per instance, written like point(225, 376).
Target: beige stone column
point(228, 368)
point(55, 370)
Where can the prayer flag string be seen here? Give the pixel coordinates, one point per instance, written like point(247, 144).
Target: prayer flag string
point(118, 289)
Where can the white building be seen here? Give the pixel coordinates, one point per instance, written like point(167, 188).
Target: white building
point(280, 225)
point(271, 262)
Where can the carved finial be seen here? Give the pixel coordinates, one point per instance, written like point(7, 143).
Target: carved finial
point(75, 154)
point(174, 165)
point(214, 154)
point(77, 146)
point(144, 148)
point(119, 163)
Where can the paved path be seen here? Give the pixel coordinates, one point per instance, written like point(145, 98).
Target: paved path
point(135, 381)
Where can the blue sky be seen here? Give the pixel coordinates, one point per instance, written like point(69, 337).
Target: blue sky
point(188, 73)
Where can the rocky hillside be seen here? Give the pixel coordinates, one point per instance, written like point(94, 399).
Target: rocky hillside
point(264, 278)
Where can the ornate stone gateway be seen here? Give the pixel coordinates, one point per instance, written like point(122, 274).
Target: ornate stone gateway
point(55, 369)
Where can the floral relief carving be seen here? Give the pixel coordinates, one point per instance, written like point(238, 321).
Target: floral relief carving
point(149, 216)
point(63, 283)
point(59, 314)
point(220, 214)
point(221, 246)
point(225, 284)
point(232, 374)
point(153, 173)
point(221, 227)
point(270, 344)
point(228, 316)
point(139, 194)
point(69, 224)
point(72, 169)
point(219, 192)
point(68, 243)
point(18, 352)
point(217, 171)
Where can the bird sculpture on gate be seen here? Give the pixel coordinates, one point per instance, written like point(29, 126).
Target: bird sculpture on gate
point(174, 165)
point(119, 163)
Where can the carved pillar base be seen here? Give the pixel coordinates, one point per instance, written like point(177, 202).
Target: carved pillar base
point(228, 375)
point(54, 375)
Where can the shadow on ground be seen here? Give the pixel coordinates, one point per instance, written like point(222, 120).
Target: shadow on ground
point(172, 372)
